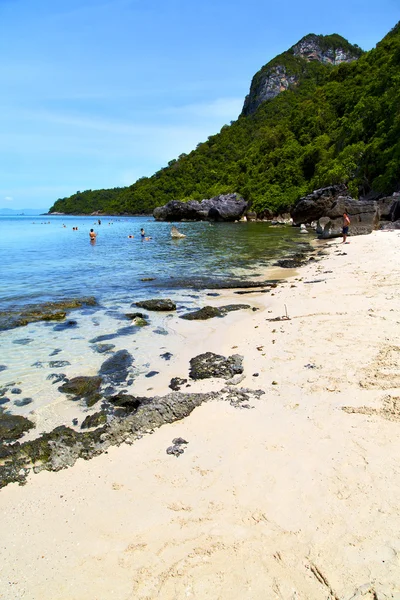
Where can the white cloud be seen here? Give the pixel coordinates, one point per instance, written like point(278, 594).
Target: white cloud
point(8, 199)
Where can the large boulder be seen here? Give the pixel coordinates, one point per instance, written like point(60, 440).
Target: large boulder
point(327, 206)
point(228, 207)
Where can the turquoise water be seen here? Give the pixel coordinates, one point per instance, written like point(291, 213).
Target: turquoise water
point(41, 260)
point(44, 258)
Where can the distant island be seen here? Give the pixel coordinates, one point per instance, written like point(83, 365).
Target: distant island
point(322, 113)
point(29, 212)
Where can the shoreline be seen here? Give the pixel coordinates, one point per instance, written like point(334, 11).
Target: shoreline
point(293, 495)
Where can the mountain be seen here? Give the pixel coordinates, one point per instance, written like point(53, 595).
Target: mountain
point(291, 67)
point(322, 113)
point(22, 211)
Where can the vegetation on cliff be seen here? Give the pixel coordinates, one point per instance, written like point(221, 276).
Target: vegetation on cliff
point(337, 125)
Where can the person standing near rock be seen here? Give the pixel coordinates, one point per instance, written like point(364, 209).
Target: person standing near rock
point(345, 230)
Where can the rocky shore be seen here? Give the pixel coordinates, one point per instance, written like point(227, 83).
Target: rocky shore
point(276, 469)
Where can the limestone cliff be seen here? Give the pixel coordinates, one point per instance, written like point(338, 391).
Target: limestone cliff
point(288, 68)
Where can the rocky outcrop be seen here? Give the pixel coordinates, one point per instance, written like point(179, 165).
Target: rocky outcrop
point(13, 427)
point(157, 304)
point(327, 206)
point(287, 69)
point(209, 312)
point(48, 311)
point(83, 388)
point(228, 207)
point(209, 364)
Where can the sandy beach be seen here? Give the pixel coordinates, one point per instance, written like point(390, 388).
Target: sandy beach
point(294, 496)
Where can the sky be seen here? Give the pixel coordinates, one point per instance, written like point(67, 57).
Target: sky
point(97, 93)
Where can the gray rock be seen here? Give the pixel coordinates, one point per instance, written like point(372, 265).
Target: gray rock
point(179, 441)
point(209, 312)
point(157, 304)
point(103, 348)
point(176, 383)
point(12, 427)
point(209, 365)
point(327, 206)
point(83, 388)
point(228, 207)
point(3, 368)
point(175, 450)
point(99, 418)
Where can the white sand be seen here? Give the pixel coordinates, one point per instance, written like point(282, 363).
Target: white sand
point(293, 498)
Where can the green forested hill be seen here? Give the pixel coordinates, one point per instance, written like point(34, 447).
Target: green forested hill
point(337, 125)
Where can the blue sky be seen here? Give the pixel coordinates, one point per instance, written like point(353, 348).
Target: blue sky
point(98, 93)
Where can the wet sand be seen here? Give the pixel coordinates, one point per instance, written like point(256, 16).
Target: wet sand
point(294, 497)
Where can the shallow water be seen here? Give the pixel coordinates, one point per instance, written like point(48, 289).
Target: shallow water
point(41, 260)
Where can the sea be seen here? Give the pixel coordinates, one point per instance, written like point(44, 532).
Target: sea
point(50, 258)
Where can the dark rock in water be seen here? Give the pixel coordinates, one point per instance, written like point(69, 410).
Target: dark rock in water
point(49, 311)
point(4, 400)
point(55, 352)
point(58, 364)
point(228, 207)
point(139, 319)
point(158, 304)
point(95, 420)
point(56, 377)
point(12, 427)
point(128, 402)
point(83, 388)
point(136, 315)
point(147, 279)
point(179, 441)
point(208, 312)
point(152, 373)
point(209, 364)
point(115, 368)
point(129, 330)
point(23, 341)
point(65, 325)
point(103, 338)
point(16, 391)
point(3, 368)
point(75, 421)
point(176, 383)
point(166, 355)
point(23, 402)
point(213, 294)
point(103, 348)
point(160, 331)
